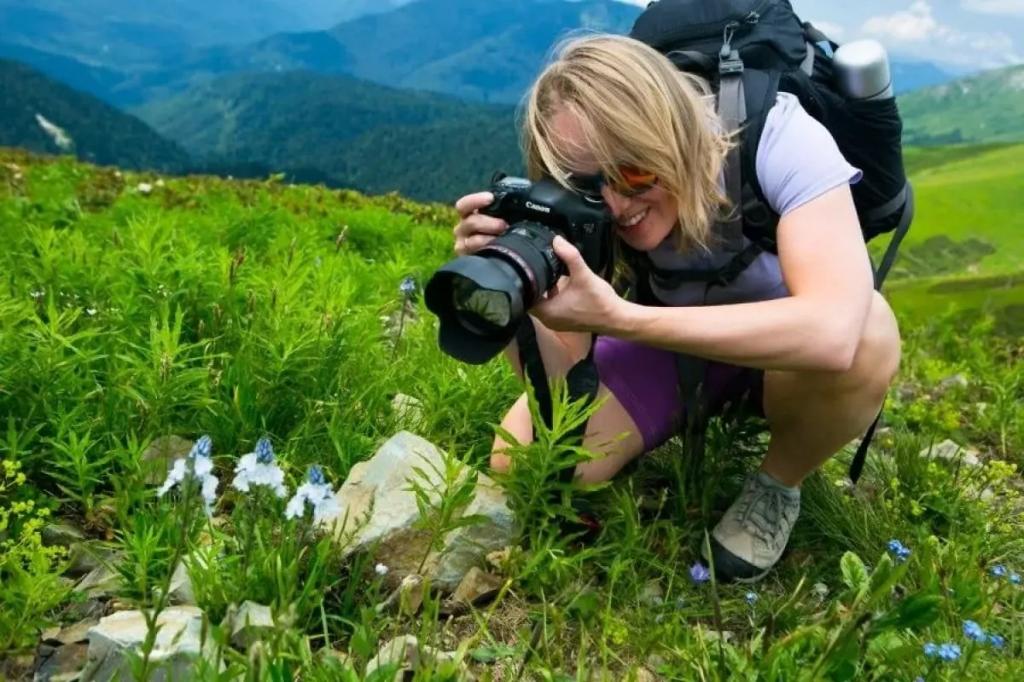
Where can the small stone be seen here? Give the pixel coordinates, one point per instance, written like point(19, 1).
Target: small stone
point(250, 623)
point(79, 632)
point(408, 654)
point(100, 582)
point(61, 533)
point(408, 410)
point(406, 598)
point(181, 591)
point(178, 645)
point(951, 451)
point(476, 586)
point(63, 664)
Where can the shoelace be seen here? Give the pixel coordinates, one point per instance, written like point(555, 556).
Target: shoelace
point(762, 508)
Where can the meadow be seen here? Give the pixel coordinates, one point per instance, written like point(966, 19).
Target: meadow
point(135, 307)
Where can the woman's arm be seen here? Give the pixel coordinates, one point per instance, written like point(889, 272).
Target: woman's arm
point(825, 266)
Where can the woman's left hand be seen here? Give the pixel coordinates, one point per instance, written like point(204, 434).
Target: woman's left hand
point(580, 302)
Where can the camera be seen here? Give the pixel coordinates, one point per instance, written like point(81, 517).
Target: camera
point(480, 299)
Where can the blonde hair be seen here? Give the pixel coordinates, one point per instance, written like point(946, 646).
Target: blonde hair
point(636, 108)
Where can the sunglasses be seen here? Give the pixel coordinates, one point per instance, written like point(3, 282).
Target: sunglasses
point(634, 182)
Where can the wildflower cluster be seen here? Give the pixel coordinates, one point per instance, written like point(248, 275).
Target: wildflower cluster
point(257, 468)
point(947, 652)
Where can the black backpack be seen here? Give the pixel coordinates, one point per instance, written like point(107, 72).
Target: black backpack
point(749, 50)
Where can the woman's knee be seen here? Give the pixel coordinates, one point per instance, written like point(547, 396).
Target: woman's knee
point(518, 423)
point(878, 354)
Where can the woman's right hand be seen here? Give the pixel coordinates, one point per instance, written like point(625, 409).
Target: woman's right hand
point(475, 229)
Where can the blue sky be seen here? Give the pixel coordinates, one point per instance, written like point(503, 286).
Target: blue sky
point(963, 34)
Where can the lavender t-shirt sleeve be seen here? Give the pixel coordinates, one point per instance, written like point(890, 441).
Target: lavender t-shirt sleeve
point(797, 159)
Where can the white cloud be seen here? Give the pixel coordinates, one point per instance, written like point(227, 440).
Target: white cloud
point(994, 6)
point(917, 29)
point(915, 24)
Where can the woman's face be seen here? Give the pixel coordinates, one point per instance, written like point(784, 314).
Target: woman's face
point(642, 221)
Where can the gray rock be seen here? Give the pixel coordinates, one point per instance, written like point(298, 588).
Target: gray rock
point(950, 451)
point(64, 663)
point(176, 652)
point(101, 582)
point(160, 455)
point(408, 654)
point(61, 533)
point(477, 586)
point(181, 586)
point(409, 410)
point(250, 623)
point(379, 512)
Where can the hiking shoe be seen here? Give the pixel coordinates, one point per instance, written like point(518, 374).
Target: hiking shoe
point(754, 531)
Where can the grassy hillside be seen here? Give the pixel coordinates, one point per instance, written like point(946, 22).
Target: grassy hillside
point(250, 309)
point(988, 107)
point(964, 250)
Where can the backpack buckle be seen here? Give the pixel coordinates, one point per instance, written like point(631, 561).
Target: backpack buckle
point(729, 64)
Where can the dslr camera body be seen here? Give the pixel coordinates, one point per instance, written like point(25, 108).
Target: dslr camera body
point(480, 299)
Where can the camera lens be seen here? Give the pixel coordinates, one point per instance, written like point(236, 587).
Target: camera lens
point(481, 311)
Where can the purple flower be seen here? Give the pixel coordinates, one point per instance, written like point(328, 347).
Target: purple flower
point(973, 631)
point(699, 573)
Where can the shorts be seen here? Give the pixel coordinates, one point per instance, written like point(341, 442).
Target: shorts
point(646, 382)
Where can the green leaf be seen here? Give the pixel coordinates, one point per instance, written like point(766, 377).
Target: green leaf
point(855, 575)
point(916, 611)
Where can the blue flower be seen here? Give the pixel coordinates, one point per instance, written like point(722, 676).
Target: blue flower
point(315, 475)
point(751, 598)
point(408, 286)
point(264, 451)
point(1015, 578)
point(699, 573)
point(998, 570)
point(949, 652)
point(973, 631)
point(996, 641)
point(931, 649)
point(899, 550)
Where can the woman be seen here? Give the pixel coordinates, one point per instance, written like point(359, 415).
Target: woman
point(818, 343)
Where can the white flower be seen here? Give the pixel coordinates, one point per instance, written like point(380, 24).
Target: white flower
point(90, 311)
point(198, 465)
point(318, 494)
point(144, 188)
point(380, 569)
point(258, 468)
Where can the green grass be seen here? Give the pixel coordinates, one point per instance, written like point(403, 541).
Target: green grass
point(244, 309)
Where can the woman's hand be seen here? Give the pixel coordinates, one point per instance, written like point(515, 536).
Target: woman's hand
point(581, 301)
point(475, 230)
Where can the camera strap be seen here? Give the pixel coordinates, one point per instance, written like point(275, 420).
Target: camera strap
point(582, 381)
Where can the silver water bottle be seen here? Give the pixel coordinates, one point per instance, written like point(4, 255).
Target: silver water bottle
point(862, 70)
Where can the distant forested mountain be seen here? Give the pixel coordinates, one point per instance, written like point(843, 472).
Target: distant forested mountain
point(350, 132)
point(39, 114)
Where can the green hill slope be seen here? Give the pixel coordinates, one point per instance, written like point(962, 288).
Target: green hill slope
point(988, 107)
point(45, 116)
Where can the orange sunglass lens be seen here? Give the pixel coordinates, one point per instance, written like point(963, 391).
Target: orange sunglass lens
point(636, 178)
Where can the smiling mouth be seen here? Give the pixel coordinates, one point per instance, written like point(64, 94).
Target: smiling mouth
point(634, 220)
